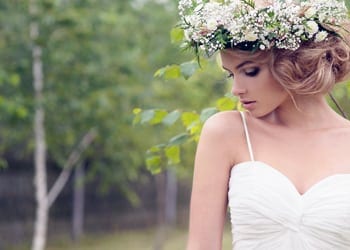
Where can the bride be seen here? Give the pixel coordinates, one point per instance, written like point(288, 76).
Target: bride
point(281, 166)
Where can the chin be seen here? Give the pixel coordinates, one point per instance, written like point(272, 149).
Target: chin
point(258, 113)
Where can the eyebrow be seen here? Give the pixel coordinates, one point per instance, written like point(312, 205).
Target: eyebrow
point(240, 65)
point(243, 63)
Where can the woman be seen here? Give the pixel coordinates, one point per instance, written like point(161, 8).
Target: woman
point(282, 166)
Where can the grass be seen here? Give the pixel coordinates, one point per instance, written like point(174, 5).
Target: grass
point(132, 240)
point(129, 240)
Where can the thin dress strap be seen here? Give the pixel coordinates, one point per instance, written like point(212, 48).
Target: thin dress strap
point(247, 136)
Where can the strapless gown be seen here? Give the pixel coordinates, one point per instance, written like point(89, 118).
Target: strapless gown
point(267, 212)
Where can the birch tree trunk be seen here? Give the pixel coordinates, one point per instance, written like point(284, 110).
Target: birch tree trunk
point(78, 203)
point(45, 199)
point(40, 182)
point(170, 198)
point(161, 227)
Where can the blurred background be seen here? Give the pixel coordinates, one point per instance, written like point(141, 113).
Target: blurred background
point(96, 152)
point(73, 171)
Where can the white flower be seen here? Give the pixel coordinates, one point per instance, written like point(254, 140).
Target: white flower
point(272, 23)
point(187, 35)
point(322, 17)
point(262, 3)
point(211, 24)
point(320, 36)
point(250, 36)
point(311, 27)
point(310, 12)
point(300, 30)
point(198, 8)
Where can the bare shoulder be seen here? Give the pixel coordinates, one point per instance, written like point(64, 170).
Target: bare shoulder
point(223, 125)
point(222, 133)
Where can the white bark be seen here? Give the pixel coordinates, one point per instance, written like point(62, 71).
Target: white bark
point(44, 199)
point(40, 228)
point(69, 164)
point(170, 197)
point(161, 227)
point(39, 238)
point(78, 203)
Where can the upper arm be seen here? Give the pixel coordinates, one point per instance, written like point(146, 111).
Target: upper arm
point(213, 162)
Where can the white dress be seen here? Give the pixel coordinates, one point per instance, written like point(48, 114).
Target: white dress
point(267, 212)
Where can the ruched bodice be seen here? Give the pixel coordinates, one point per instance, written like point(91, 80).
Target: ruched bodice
point(267, 211)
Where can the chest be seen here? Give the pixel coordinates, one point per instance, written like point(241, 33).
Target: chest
point(304, 158)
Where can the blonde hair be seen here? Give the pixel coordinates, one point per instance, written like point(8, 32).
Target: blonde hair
point(315, 67)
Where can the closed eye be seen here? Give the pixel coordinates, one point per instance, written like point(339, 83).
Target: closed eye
point(230, 75)
point(252, 71)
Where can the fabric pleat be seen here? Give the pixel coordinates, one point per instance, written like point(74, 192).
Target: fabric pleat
point(267, 211)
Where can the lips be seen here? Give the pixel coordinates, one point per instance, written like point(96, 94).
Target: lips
point(248, 104)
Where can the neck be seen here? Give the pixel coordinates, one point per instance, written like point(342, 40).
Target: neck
point(308, 112)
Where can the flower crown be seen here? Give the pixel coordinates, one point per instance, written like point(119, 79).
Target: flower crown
point(212, 25)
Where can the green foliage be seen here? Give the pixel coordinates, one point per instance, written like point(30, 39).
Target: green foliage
point(250, 3)
point(347, 4)
point(226, 103)
point(186, 69)
point(167, 154)
point(95, 71)
point(176, 35)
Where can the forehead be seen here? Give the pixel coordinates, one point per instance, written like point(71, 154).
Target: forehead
point(232, 58)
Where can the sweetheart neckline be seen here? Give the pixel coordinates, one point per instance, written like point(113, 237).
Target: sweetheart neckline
point(313, 186)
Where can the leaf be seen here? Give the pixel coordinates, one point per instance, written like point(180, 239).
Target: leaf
point(155, 149)
point(176, 35)
point(147, 115)
point(206, 113)
point(188, 69)
point(160, 72)
point(188, 118)
point(172, 72)
point(347, 4)
point(195, 128)
point(21, 112)
point(136, 111)
point(153, 164)
point(169, 72)
point(171, 118)
point(179, 139)
point(250, 3)
point(225, 103)
point(173, 154)
point(158, 116)
point(137, 116)
point(14, 80)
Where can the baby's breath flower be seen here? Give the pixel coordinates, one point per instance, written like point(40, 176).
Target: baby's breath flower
point(250, 36)
point(262, 47)
point(212, 25)
point(310, 12)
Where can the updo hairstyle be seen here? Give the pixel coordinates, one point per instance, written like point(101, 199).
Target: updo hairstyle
point(314, 68)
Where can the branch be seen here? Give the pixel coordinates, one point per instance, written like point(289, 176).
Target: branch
point(68, 166)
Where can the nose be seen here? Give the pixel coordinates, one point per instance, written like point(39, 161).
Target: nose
point(237, 89)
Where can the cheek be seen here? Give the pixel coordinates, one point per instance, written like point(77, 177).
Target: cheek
point(274, 93)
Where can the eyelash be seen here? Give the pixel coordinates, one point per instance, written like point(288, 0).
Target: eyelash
point(253, 72)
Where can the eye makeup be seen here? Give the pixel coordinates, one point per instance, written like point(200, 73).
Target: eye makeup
point(254, 71)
